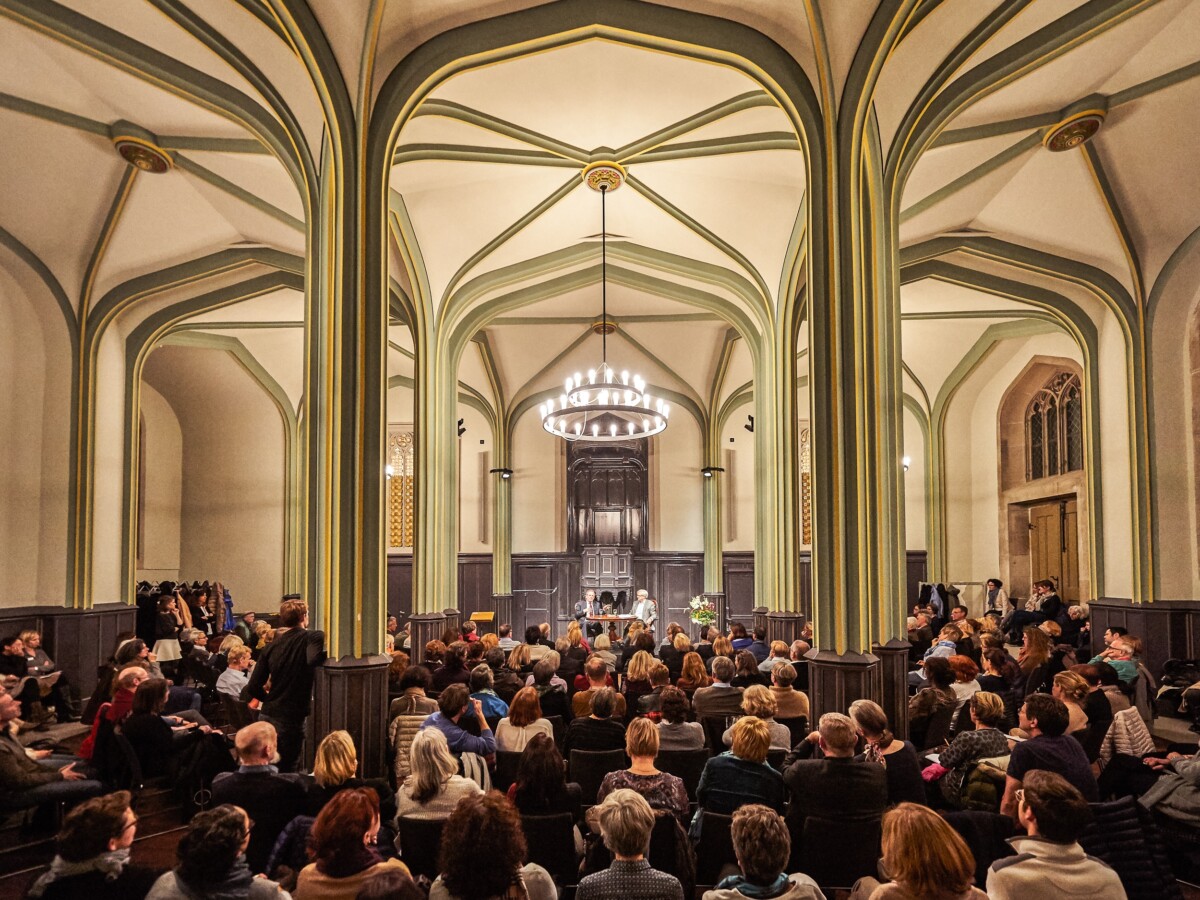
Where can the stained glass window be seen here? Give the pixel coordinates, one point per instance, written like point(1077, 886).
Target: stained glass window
point(1054, 428)
point(805, 486)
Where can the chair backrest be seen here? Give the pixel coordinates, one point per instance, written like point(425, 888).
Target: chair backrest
point(798, 726)
point(507, 762)
point(686, 764)
point(1124, 834)
point(420, 841)
point(837, 852)
point(671, 851)
point(961, 720)
point(775, 758)
point(714, 848)
point(1036, 679)
point(939, 727)
point(551, 842)
point(587, 768)
point(291, 847)
point(119, 762)
point(714, 730)
point(239, 713)
point(559, 724)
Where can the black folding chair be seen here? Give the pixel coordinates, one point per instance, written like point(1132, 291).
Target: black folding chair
point(775, 758)
point(420, 842)
point(714, 849)
point(798, 726)
point(714, 731)
point(939, 728)
point(507, 762)
point(587, 768)
point(837, 852)
point(686, 764)
point(551, 843)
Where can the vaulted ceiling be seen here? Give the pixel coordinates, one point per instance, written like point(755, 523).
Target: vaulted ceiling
point(486, 175)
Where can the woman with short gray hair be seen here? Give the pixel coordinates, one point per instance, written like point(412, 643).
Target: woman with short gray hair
point(625, 821)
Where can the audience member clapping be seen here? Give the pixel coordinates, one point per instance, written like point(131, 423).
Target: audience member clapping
point(342, 847)
point(625, 821)
point(483, 848)
point(661, 789)
point(762, 845)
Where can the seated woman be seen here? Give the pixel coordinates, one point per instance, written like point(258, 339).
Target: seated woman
point(413, 701)
point(965, 676)
point(762, 845)
point(523, 722)
point(433, 786)
point(551, 696)
point(38, 662)
point(453, 669)
point(748, 675)
point(599, 731)
point(741, 775)
point(15, 671)
point(721, 646)
point(637, 680)
point(1072, 690)
point(184, 702)
point(212, 861)
point(602, 647)
point(930, 700)
point(968, 747)
point(898, 758)
point(541, 788)
point(1036, 648)
point(760, 702)
point(625, 821)
point(519, 660)
point(693, 675)
point(925, 857)
point(342, 847)
point(661, 789)
point(158, 741)
point(483, 848)
point(335, 768)
point(675, 732)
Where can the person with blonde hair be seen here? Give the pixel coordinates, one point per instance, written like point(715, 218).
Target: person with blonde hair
point(762, 845)
point(759, 701)
point(925, 857)
point(661, 789)
point(335, 768)
point(625, 821)
point(985, 741)
point(898, 758)
point(237, 671)
point(602, 647)
point(722, 647)
point(637, 679)
point(741, 775)
point(433, 786)
point(1072, 689)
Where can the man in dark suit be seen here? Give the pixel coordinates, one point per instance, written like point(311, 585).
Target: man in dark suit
point(759, 646)
point(837, 786)
point(589, 608)
point(722, 699)
point(269, 798)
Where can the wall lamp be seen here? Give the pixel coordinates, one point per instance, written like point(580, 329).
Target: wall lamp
point(749, 426)
point(906, 461)
point(708, 471)
point(503, 473)
point(461, 428)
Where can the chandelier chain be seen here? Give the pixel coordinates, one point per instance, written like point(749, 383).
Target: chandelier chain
point(604, 275)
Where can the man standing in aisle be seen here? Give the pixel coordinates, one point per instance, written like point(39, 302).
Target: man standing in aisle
point(288, 663)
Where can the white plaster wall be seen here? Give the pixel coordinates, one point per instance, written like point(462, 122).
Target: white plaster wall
point(538, 488)
point(34, 445)
point(738, 501)
point(475, 490)
point(108, 480)
point(162, 488)
point(914, 484)
point(233, 472)
point(971, 441)
point(1116, 473)
point(676, 500)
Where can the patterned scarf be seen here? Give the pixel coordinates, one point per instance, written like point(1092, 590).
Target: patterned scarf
point(111, 864)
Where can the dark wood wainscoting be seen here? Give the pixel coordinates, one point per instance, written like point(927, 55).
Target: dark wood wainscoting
point(78, 640)
point(545, 584)
point(1167, 628)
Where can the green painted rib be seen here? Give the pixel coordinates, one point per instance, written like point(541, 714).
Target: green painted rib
point(685, 389)
point(1158, 83)
point(995, 129)
point(461, 113)
point(237, 192)
point(236, 326)
point(502, 156)
point(742, 143)
point(526, 389)
point(749, 100)
point(666, 318)
point(1001, 159)
point(53, 114)
point(213, 145)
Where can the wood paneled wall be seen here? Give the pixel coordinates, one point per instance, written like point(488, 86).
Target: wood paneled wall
point(1168, 628)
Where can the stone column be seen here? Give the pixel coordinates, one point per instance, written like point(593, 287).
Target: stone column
point(453, 619)
point(718, 601)
point(505, 607)
point(837, 680)
point(893, 664)
point(784, 626)
point(351, 693)
point(760, 616)
point(425, 627)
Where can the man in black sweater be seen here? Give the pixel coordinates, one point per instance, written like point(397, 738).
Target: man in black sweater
point(288, 662)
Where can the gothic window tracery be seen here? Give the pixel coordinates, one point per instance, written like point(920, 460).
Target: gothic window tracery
point(1054, 428)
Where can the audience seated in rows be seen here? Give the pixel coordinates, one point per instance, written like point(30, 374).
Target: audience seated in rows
point(762, 845)
point(453, 703)
point(453, 669)
point(660, 677)
point(236, 676)
point(930, 700)
point(983, 741)
point(1045, 719)
point(505, 681)
point(898, 758)
point(741, 775)
point(789, 702)
point(760, 702)
point(433, 786)
point(661, 789)
point(747, 673)
point(551, 689)
point(335, 768)
point(482, 689)
point(523, 722)
point(595, 670)
point(721, 698)
point(693, 675)
point(601, 730)
point(675, 731)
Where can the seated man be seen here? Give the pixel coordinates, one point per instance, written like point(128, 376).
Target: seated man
point(237, 674)
point(1119, 655)
point(1050, 862)
point(660, 677)
point(759, 646)
point(270, 799)
point(453, 702)
point(596, 672)
point(93, 855)
point(721, 698)
point(506, 639)
point(763, 847)
point(625, 821)
point(25, 782)
point(1045, 719)
point(837, 786)
point(780, 653)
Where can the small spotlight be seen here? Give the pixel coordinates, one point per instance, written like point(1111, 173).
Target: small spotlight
point(749, 426)
point(906, 462)
point(504, 473)
point(708, 471)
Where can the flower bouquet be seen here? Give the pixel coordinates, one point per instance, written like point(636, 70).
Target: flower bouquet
point(701, 611)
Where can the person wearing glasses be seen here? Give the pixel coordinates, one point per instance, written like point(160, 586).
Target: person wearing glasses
point(93, 855)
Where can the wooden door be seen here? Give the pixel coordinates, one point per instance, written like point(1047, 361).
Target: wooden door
point(1054, 546)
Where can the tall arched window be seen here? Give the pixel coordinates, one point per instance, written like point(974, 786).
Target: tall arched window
point(1054, 428)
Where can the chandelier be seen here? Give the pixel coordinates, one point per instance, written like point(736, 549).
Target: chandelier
point(604, 406)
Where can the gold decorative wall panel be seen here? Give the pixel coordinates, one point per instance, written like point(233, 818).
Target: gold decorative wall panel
point(400, 489)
